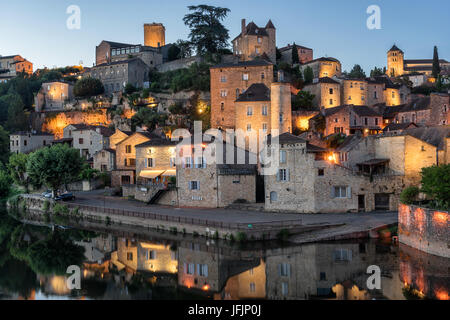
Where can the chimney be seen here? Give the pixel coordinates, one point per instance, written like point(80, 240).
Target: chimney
point(243, 27)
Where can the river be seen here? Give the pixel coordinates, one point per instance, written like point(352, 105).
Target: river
point(117, 263)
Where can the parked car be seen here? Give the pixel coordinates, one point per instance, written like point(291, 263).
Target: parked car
point(67, 196)
point(47, 194)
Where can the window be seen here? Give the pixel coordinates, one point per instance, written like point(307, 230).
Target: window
point(150, 255)
point(264, 127)
point(343, 255)
point(194, 185)
point(262, 75)
point(376, 121)
point(349, 97)
point(281, 117)
point(252, 287)
point(375, 95)
point(273, 196)
point(257, 50)
point(150, 163)
point(341, 192)
point(245, 76)
point(264, 110)
point(80, 141)
point(363, 98)
point(222, 106)
point(189, 268)
point(331, 101)
point(321, 172)
point(393, 94)
point(202, 270)
point(223, 79)
point(282, 156)
point(285, 270)
point(336, 120)
point(128, 149)
point(131, 162)
point(259, 39)
point(249, 127)
point(283, 175)
point(284, 288)
point(366, 121)
point(223, 93)
point(187, 162)
point(331, 90)
point(200, 163)
point(249, 111)
point(323, 276)
point(129, 256)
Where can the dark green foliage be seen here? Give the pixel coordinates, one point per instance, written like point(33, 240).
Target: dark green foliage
point(208, 35)
point(129, 89)
point(148, 117)
point(308, 75)
point(17, 169)
point(436, 185)
point(409, 195)
point(436, 66)
point(174, 52)
point(194, 78)
point(55, 166)
point(377, 72)
point(295, 58)
point(5, 184)
point(4, 147)
point(13, 107)
point(303, 100)
point(177, 108)
point(357, 72)
point(88, 87)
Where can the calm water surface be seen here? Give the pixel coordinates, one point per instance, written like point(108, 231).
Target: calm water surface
point(117, 263)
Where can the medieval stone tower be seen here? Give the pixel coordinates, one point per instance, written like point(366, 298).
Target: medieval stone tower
point(280, 107)
point(154, 35)
point(395, 62)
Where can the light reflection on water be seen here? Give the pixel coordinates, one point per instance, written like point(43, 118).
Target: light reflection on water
point(168, 266)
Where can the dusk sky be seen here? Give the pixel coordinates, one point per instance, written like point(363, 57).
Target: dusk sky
point(37, 29)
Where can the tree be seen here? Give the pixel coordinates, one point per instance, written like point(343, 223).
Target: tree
point(5, 184)
point(295, 58)
point(129, 88)
point(308, 75)
point(148, 117)
point(88, 87)
point(54, 167)
point(173, 53)
point(4, 146)
point(17, 119)
point(303, 100)
point(185, 48)
point(278, 53)
point(375, 72)
point(208, 34)
point(357, 72)
point(409, 195)
point(436, 185)
point(18, 168)
point(436, 66)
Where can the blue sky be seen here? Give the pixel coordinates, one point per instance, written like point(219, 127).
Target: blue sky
point(37, 29)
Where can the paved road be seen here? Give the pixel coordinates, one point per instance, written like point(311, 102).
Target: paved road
point(97, 198)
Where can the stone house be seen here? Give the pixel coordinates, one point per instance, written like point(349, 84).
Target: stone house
point(107, 52)
point(89, 139)
point(155, 161)
point(349, 119)
point(309, 180)
point(228, 81)
point(305, 54)
point(215, 183)
point(26, 142)
point(323, 67)
point(326, 91)
point(397, 128)
point(259, 110)
point(11, 66)
point(254, 41)
point(116, 75)
point(117, 137)
point(125, 171)
point(105, 160)
point(53, 95)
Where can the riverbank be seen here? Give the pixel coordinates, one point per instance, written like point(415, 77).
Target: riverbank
point(214, 223)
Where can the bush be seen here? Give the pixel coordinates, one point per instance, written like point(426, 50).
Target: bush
point(409, 195)
point(241, 237)
point(436, 185)
point(88, 87)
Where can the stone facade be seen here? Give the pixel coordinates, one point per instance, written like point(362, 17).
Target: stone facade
point(351, 119)
point(12, 66)
point(228, 81)
point(53, 95)
point(108, 52)
point(326, 91)
point(305, 54)
point(88, 139)
point(154, 35)
point(116, 75)
point(117, 137)
point(323, 67)
point(26, 142)
point(255, 41)
point(105, 160)
point(424, 229)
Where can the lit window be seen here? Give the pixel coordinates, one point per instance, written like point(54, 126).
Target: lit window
point(245, 76)
point(249, 111)
point(264, 110)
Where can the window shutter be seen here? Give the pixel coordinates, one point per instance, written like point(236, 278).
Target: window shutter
point(145, 162)
point(279, 270)
point(287, 175)
point(198, 185)
point(190, 185)
point(185, 268)
point(289, 270)
point(198, 269)
point(278, 175)
point(349, 192)
point(205, 270)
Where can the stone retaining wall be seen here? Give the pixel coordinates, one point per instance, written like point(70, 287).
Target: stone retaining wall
point(424, 229)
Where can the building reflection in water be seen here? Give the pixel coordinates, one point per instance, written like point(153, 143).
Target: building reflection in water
point(226, 272)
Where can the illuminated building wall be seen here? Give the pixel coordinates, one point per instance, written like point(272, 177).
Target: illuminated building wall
point(154, 35)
